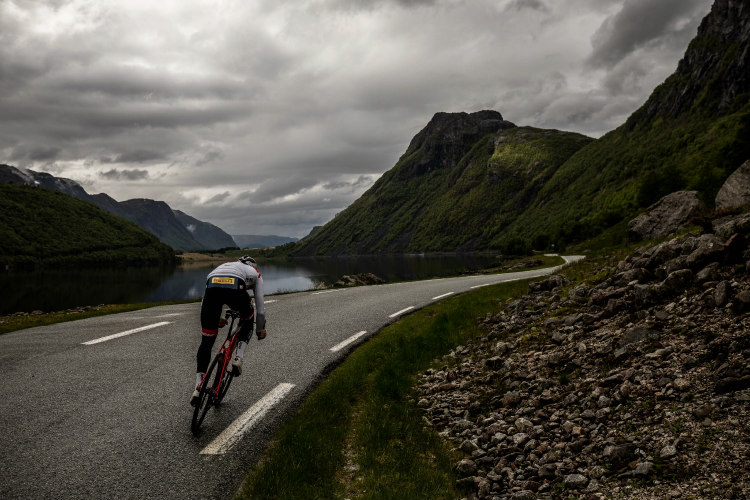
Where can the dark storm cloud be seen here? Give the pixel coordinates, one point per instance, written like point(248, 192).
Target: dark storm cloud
point(124, 175)
point(121, 81)
point(643, 22)
point(218, 198)
point(517, 5)
point(363, 181)
point(280, 187)
point(34, 153)
point(137, 156)
point(209, 155)
point(373, 4)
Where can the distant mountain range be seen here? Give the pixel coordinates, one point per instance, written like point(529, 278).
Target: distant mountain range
point(261, 241)
point(175, 228)
point(477, 182)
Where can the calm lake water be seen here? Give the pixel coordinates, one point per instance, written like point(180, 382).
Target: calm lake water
point(55, 290)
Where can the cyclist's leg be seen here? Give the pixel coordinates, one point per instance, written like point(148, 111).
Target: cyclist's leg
point(210, 315)
point(241, 303)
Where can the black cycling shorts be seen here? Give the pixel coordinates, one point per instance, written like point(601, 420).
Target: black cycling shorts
point(213, 301)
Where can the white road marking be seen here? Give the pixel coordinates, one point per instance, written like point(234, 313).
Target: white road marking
point(122, 334)
point(325, 291)
point(348, 341)
point(441, 296)
point(270, 301)
point(480, 286)
point(232, 434)
point(402, 311)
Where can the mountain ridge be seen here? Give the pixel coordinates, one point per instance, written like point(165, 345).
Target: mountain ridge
point(170, 226)
point(261, 240)
point(691, 133)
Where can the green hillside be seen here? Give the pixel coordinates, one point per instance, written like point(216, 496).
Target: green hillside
point(45, 227)
point(693, 132)
point(474, 182)
point(461, 208)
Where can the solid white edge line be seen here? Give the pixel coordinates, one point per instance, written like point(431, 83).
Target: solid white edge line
point(402, 311)
point(324, 291)
point(232, 434)
point(442, 296)
point(122, 334)
point(480, 286)
point(348, 341)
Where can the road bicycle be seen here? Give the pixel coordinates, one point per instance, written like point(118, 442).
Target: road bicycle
point(219, 375)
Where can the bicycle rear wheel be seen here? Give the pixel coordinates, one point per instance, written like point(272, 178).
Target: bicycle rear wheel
point(206, 397)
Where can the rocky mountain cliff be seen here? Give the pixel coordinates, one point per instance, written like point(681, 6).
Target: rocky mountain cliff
point(714, 76)
point(475, 181)
point(461, 181)
point(174, 228)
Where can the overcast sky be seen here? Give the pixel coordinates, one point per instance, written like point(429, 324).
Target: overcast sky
point(268, 117)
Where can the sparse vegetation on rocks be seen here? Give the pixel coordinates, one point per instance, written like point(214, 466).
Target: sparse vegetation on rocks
point(628, 380)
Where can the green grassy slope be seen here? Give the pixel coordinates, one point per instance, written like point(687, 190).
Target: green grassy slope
point(461, 208)
point(625, 171)
point(41, 226)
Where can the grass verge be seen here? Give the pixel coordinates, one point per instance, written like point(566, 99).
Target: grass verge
point(12, 323)
point(360, 433)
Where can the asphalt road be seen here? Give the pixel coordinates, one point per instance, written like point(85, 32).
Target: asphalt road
point(112, 420)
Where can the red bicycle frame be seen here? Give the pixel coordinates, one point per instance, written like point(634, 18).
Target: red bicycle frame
point(226, 350)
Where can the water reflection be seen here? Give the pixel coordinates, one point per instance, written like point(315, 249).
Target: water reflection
point(54, 290)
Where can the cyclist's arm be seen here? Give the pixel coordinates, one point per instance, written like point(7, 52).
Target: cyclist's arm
point(260, 307)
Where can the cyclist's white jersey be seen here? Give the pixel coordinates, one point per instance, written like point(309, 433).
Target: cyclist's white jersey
point(252, 280)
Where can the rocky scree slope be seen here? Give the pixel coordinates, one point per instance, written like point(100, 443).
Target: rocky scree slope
point(632, 383)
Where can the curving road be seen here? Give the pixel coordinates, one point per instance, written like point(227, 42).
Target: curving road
point(98, 408)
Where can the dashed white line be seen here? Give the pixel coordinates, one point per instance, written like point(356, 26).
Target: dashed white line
point(324, 291)
point(270, 301)
point(232, 434)
point(402, 311)
point(442, 296)
point(122, 334)
point(348, 341)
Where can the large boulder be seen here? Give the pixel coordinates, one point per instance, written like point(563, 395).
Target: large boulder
point(363, 279)
point(735, 193)
point(670, 214)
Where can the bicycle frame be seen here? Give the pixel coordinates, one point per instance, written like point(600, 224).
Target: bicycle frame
point(225, 351)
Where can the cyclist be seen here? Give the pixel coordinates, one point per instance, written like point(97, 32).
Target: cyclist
point(228, 284)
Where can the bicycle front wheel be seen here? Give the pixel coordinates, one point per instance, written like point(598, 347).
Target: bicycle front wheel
point(207, 395)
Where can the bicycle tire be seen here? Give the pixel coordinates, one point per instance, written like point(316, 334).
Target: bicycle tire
point(228, 376)
point(205, 399)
